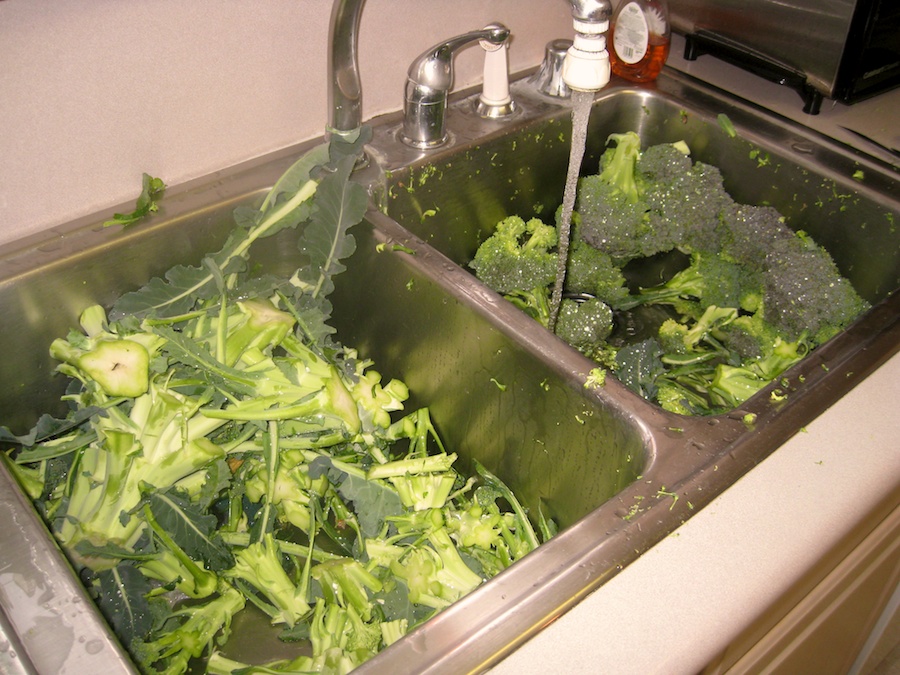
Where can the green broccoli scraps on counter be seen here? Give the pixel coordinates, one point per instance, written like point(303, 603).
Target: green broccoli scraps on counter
point(147, 202)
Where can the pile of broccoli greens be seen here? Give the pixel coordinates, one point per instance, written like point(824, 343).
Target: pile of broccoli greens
point(223, 450)
point(750, 298)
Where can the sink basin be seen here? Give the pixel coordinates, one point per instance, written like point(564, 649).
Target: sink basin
point(614, 471)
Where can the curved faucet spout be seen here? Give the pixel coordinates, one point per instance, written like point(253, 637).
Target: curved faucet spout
point(344, 88)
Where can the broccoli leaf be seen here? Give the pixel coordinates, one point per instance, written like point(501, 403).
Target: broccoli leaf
point(145, 205)
point(373, 501)
point(48, 427)
point(638, 366)
point(121, 597)
point(175, 294)
point(190, 528)
point(294, 178)
point(185, 350)
point(340, 204)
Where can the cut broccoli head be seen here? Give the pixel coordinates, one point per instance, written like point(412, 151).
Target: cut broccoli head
point(609, 220)
point(749, 233)
point(664, 162)
point(685, 209)
point(804, 292)
point(610, 207)
point(584, 323)
point(517, 256)
point(593, 271)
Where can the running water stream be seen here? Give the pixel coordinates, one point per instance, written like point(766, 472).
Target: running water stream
point(581, 112)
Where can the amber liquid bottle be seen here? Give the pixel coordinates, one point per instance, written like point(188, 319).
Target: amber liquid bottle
point(640, 37)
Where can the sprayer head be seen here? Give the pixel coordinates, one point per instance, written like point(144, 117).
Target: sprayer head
point(586, 67)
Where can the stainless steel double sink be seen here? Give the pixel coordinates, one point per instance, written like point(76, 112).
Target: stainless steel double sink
point(615, 472)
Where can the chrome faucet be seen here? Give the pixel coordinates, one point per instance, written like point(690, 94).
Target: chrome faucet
point(591, 11)
point(428, 82)
point(345, 91)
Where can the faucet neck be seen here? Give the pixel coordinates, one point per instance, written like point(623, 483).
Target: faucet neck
point(344, 88)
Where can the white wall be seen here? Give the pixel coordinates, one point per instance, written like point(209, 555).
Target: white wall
point(95, 92)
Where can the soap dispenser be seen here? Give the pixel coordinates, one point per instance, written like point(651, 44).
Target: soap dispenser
point(640, 39)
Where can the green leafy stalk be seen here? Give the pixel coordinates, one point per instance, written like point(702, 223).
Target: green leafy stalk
point(146, 203)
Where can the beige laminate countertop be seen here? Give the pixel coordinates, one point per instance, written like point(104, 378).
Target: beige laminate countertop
point(678, 606)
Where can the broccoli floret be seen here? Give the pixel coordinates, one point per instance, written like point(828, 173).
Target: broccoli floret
point(611, 212)
point(642, 204)
point(750, 336)
point(804, 292)
point(517, 256)
point(684, 210)
point(679, 399)
point(584, 323)
point(618, 167)
point(593, 272)
point(678, 338)
point(664, 162)
point(749, 233)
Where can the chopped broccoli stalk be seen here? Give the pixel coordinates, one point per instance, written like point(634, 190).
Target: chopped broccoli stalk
point(680, 338)
point(260, 565)
point(200, 627)
point(535, 303)
point(346, 582)
point(732, 385)
point(618, 168)
point(391, 631)
point(424, 491)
